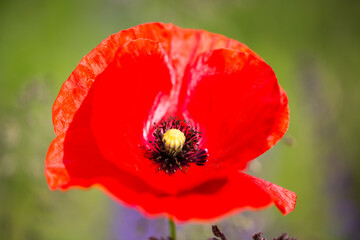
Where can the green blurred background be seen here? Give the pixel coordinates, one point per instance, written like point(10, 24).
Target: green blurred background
point(313, 47)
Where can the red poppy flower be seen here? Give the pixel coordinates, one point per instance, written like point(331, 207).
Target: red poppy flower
point(222, 101)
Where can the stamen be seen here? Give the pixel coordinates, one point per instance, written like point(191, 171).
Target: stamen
point(175, 146)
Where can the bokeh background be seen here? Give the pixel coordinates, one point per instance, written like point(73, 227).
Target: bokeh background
point(313, 47)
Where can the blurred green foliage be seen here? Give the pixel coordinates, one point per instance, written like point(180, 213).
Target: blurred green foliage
point(313, 47)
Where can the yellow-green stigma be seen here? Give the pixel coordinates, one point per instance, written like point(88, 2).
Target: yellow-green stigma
point(173, 140)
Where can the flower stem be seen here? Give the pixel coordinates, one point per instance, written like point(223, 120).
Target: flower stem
point(172, 228)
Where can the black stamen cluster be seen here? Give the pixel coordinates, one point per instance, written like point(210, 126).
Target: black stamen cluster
point(190, 153)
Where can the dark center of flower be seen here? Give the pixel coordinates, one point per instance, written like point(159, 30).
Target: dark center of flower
point(175, 146)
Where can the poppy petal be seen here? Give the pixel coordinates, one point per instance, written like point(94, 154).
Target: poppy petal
point(74, 160)
point(235, 99)
point(55, 171)
point(130, 95)
point(182, 45)
point(76, 88)
point(281, 123)
point(208, 201)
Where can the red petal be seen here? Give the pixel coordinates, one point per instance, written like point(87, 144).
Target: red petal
point(129, 96)
point(281, 123)
point(182, 45)
point(74, 160)
point(55, 171)
point(213, 199)
point(284, 199)
point(235, 99)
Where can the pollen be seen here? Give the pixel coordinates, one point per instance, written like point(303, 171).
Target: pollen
point(173, 140)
